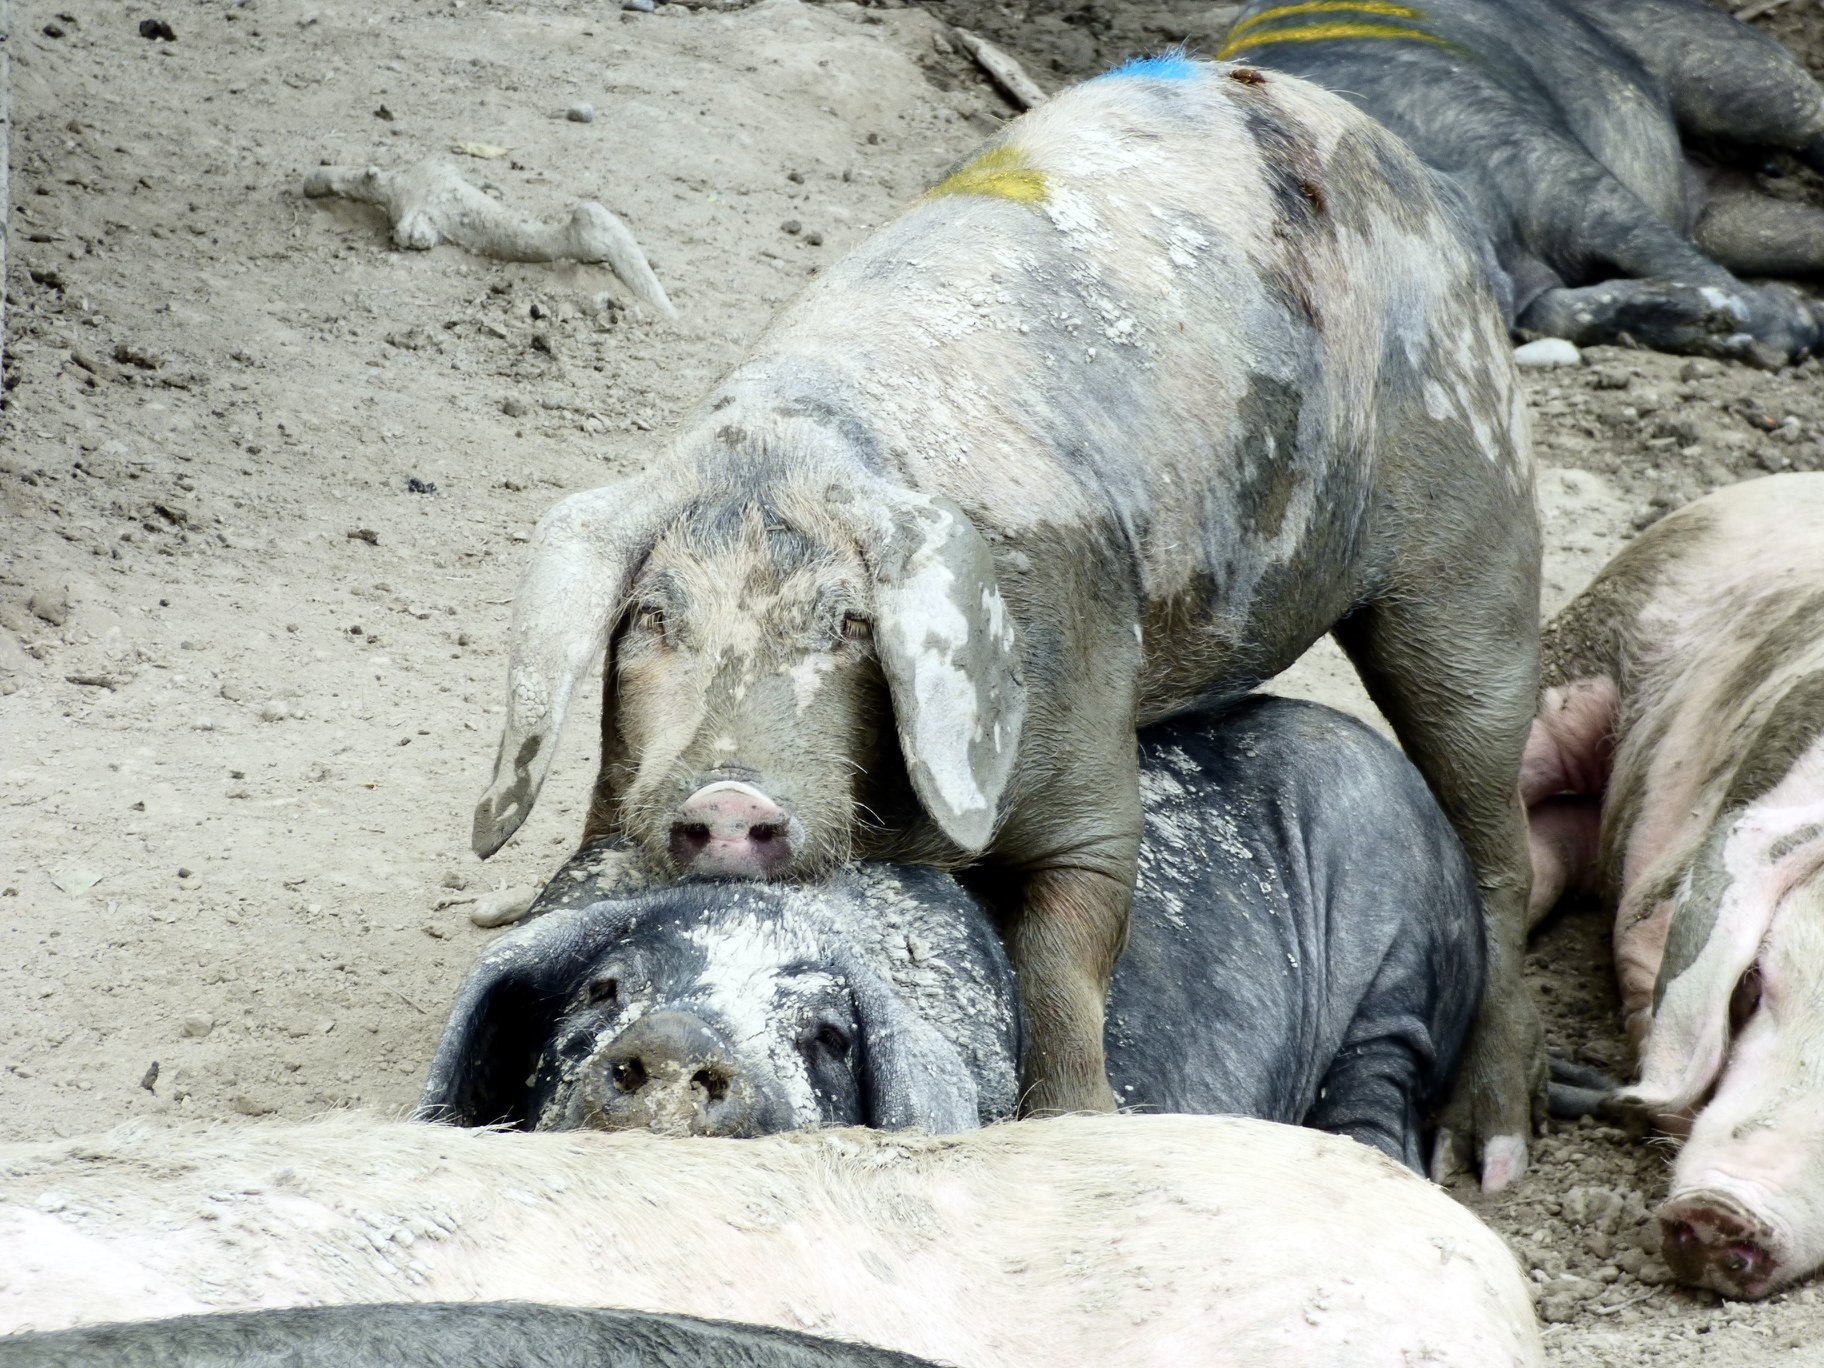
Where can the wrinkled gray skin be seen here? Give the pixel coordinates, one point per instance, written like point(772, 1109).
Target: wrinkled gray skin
point(1185, 372)
point(439, 1335)
point(1305, 947)
point(1608, 148)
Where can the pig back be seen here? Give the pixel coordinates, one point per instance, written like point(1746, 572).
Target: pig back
point(1299, 890)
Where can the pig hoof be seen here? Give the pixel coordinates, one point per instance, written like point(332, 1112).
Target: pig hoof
point(1503, 1161)
point(1709, 1242)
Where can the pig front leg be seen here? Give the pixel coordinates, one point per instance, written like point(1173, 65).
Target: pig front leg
point(1450, 654)
point(1074, 854)
point(1063, 944)
point(1759, 235)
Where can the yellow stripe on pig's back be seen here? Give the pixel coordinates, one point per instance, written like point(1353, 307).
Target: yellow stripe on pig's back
point(1321, 33)
point(1002, 172)
point(1384, 9)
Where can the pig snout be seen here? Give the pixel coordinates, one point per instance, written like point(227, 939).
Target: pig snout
point(730, 829)
point(1709, 1240)
point(672, 1073)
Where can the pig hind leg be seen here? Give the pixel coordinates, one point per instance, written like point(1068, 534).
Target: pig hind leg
point(1757, 234)
point(1450, 655)
point(1563, 776)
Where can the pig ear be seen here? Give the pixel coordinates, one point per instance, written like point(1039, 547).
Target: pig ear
point(584, 553)
point(951, 659)
point(504, 1013)
point(911, 1076)
point(1719, 917)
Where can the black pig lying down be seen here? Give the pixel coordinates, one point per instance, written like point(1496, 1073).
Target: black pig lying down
point(1606, 146)
point(1305, 947)
point(439, 1335)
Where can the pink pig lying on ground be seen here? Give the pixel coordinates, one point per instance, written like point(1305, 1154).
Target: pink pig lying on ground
point(1677, 763)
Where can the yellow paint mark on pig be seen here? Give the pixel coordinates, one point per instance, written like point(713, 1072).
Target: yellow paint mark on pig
point(1354, 19)
point(1384, 8)
point(999, 173)
point(1320, 33)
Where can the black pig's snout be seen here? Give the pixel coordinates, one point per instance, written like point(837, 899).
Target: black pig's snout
point(671, 1072)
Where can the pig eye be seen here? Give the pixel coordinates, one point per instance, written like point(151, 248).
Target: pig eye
point(650, 617)
point(855, 627)
point(831, 1038)
point(604, 990)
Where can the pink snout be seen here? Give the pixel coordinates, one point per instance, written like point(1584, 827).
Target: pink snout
point(731, 830)
point(1709, 1241)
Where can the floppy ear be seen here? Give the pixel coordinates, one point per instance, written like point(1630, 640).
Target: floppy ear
point(951, 658)
point(503, 1016)
point(1719, 917)
point(910, 1075)
point(584, 553)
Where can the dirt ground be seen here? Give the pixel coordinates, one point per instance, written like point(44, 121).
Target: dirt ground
point(264, 482)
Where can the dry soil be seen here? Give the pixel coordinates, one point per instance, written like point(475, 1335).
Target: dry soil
point(264, 481)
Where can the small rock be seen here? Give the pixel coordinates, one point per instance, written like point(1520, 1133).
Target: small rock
point(232, 692)
point(274, 711)
point(366, 534)
point(813, 239)
point(414, 485)
point(643, 6)
point(581, 112)
point(384, 113)
point(499, 909)
point(184, 872)
point(1547, 352)
point(513, 408)
point(198, 1024)
point(157, 28)
point(456, 879)
point(52, 31)
point(252, 1106)
point(150, 1076)
point(791, 226)
point(51, 604)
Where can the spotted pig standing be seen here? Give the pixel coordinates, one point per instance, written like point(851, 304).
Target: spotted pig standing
point(1184, 370)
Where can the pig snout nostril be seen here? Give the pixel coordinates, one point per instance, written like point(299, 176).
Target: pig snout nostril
point(630, 1075)
point(1683, 1235)
point(1744, 1260)
point(713, 1082)
point(764, 833)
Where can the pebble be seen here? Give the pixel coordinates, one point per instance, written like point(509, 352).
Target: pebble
point(581, 112)
point(508, 905)
point(643, 6)
point(791, 226)
point(252, 1106)
point(150, 1076)
point(1547, 352)
point(456, 879)
point(198, 1024)
point(50, 604)
point(513, 408)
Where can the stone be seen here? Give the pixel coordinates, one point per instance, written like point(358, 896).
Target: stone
point(1546, 353)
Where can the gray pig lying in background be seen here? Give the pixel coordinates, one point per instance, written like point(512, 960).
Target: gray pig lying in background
point(1678, 762)
point(1566, 122)
point(1187, 368)
point(1118, 1242)
point(1304, 947)
point(439, 1335)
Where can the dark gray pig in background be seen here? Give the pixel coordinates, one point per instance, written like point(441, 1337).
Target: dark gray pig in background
point(439, 1335)
point(1305, 947)
point(1606, 147)
point(1186, 369)
point(1678, 764)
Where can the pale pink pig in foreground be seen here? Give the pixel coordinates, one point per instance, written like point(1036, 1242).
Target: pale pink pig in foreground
point(1678, 763)
point(1118, 1242)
